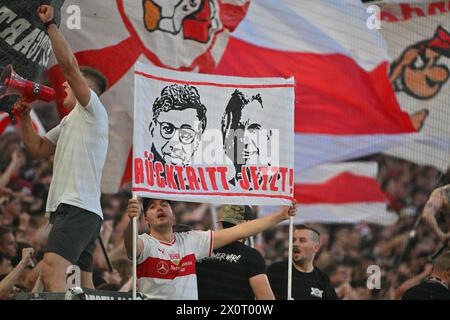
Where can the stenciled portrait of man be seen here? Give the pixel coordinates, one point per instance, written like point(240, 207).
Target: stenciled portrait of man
point(179, 120)
point(243, 134)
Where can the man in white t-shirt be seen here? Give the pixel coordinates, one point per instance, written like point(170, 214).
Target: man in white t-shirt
point(166, 259)
point(79, 144)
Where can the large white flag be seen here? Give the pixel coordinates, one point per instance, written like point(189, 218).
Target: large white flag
point(213, 139)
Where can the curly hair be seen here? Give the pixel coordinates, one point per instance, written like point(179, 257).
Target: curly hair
point(180, 97)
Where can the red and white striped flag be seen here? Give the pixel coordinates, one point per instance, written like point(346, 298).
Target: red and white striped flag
point(345, 105)
point(340, 193)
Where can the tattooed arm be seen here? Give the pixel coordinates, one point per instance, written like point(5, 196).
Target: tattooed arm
point(439, 199)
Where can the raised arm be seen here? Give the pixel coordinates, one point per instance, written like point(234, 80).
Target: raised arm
point(439, 199)
point(13, 166)
point(250, 228)
point(133, 210)
point(10, 280)
point(65, 57)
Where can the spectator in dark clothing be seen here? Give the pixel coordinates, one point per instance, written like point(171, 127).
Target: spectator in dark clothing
point(236, 271)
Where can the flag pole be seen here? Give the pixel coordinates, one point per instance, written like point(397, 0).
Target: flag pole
point(134, 253)
point(289, 284)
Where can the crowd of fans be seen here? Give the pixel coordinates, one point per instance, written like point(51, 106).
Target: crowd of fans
point(346, 252)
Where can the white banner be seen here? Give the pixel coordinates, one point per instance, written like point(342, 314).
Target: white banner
point(213, 139)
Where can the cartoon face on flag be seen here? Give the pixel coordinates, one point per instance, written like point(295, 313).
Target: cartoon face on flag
point(196, 19)
point(418, 71)
point(182, 24)
point(418, 38)
point(211, 138)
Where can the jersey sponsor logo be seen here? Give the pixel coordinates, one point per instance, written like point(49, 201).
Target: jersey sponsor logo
point(315, 292)
point(166, 269)
point(162, 268)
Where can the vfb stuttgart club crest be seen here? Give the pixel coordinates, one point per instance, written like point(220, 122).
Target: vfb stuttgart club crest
point(175, 258)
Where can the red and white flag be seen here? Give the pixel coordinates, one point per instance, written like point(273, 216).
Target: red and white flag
point(345, 105)
point(340, 193)
point(111, 36)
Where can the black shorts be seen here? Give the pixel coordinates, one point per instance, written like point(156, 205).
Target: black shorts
point(73, 235)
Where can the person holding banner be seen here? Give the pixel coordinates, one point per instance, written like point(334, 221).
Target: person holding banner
point(308, 282)
point(79, 144)
point(439, 199)
point(166, 260)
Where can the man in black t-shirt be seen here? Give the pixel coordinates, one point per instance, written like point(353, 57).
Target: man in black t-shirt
point(436, 286)
point(308, 282)
point(236, 271)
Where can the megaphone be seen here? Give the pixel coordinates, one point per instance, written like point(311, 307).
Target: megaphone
point(12, 84)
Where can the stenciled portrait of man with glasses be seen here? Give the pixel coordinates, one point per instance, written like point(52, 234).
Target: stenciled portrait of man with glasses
point(179, 120)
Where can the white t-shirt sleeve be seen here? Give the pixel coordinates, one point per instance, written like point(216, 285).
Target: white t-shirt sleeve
point(201, 243)
point(53, 134)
